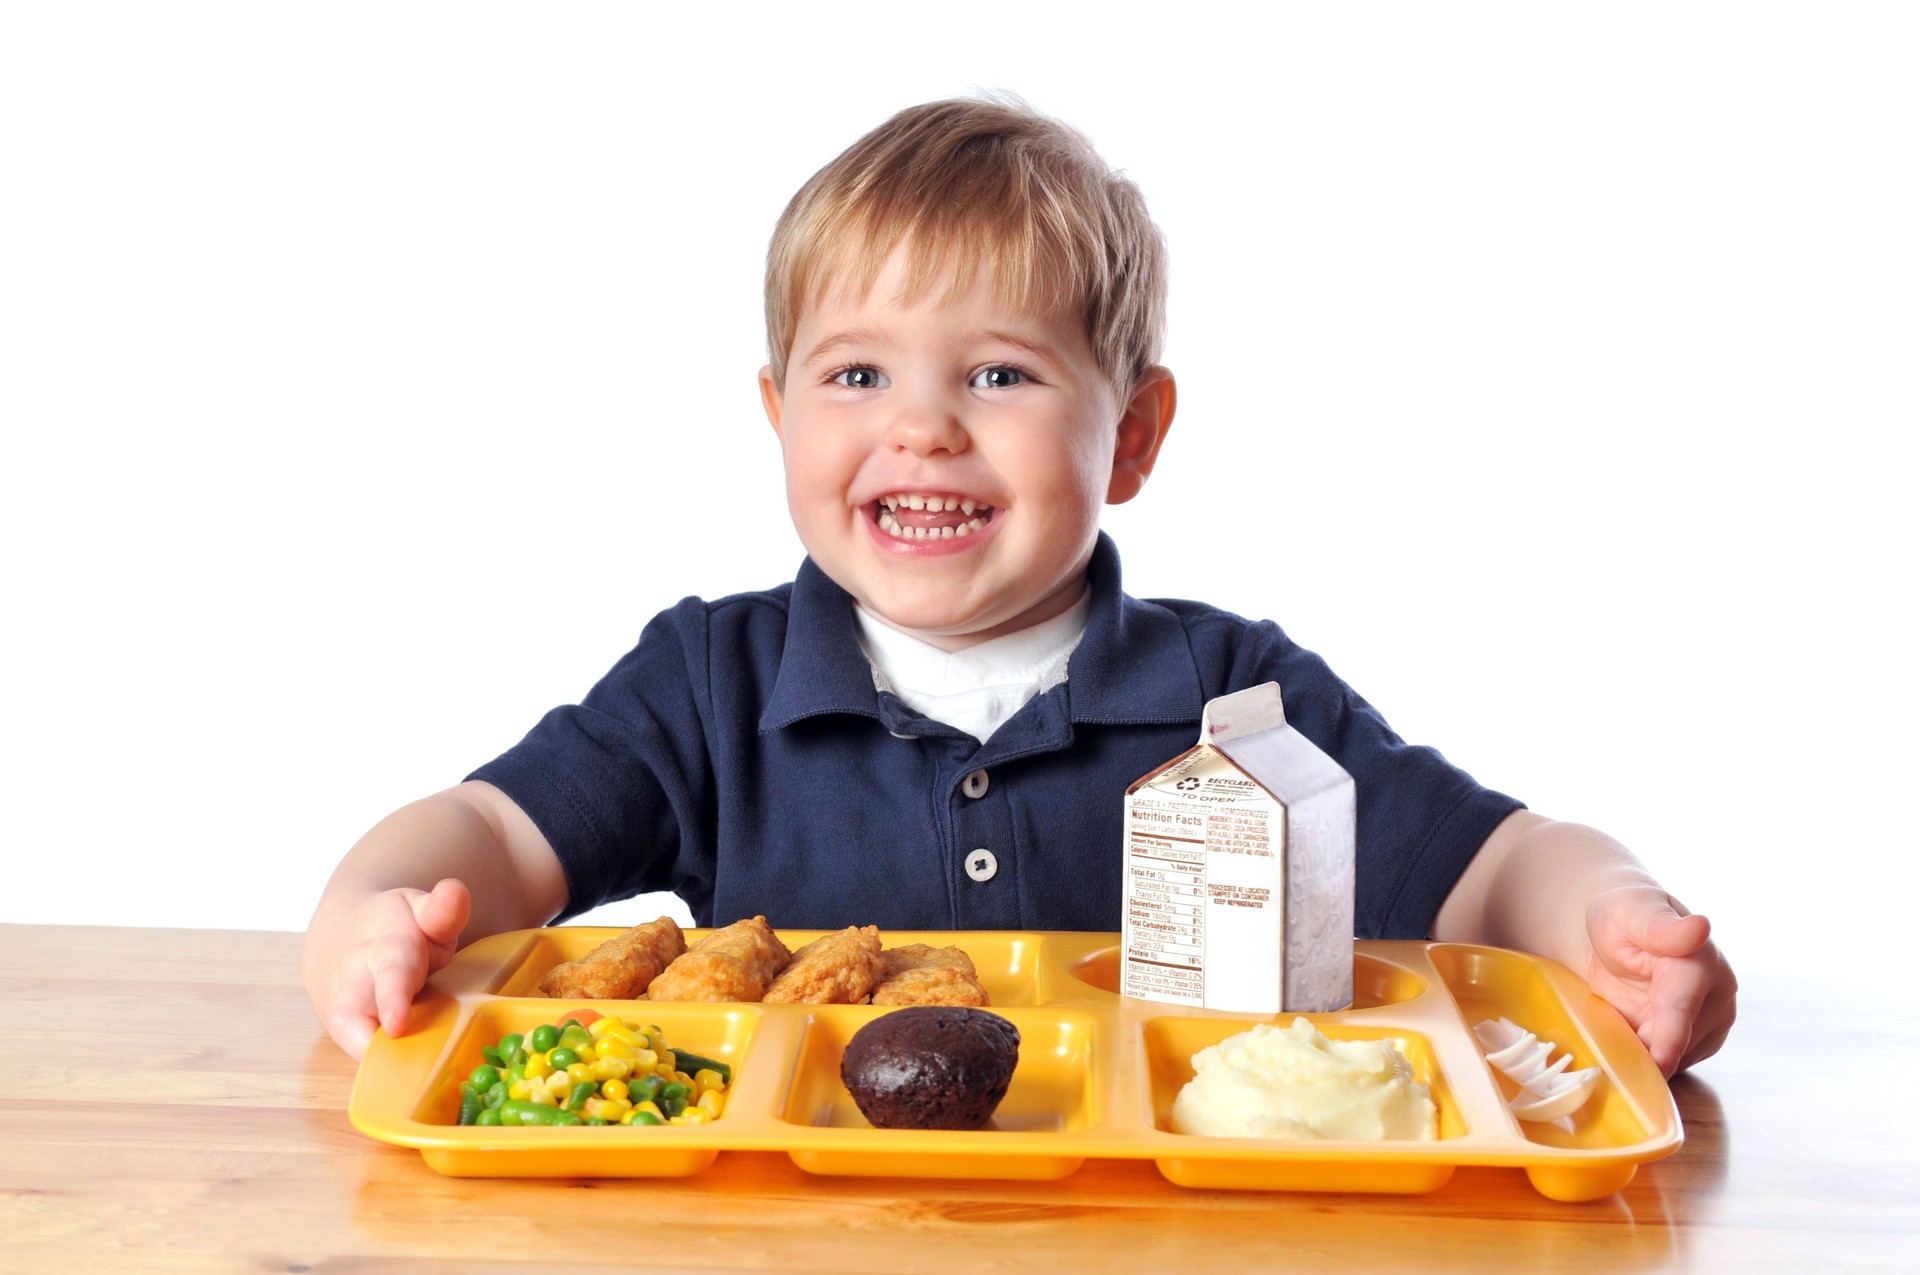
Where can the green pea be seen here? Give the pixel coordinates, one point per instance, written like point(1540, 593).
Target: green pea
point(593, 1120)
point(646, 1117)
point(544, 1037)
point(485, 1077)
point(510, 1042)
point(562, 1058)
point(490, 1118)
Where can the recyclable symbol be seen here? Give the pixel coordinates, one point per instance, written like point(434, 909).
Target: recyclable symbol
point(1189, 783)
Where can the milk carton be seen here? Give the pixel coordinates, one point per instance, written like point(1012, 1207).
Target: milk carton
point(1239, 875)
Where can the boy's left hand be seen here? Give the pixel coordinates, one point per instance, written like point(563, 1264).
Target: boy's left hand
point(1657, 965)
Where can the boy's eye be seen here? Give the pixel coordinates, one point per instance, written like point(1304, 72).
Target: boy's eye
point(997, 377)
point(861, 378)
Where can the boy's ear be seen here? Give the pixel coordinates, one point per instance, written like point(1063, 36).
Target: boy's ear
point(1143, 427)
point(770, 399)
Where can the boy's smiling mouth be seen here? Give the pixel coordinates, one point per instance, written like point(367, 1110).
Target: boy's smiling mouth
point(919, 515)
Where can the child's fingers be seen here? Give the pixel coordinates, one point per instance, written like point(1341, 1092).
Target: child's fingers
point(1679, 994)
point(352, 1030)
point(442, 913)
point(399, 970)
point(1678, 935)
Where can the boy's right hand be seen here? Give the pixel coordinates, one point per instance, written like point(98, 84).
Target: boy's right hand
point(364, 963)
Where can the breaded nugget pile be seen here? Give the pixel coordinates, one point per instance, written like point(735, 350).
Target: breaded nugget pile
point(731, 964)
point(917, 974)
point(746, 961)
point(839, 969)
point(620, 968)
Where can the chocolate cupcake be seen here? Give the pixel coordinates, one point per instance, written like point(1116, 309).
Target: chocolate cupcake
point(931, 1067)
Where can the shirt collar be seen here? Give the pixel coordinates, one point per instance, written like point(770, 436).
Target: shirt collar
point(1134, 665)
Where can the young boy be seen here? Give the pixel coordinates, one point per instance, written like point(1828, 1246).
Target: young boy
point(932, 727)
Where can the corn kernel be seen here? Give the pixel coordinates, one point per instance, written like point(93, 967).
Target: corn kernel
point(611, 1048)
point(559, 1084)
point(646, 1058)
point(712, 1102)
point(707, 1078)
point(614, 1089)
point(603, 1070)
point(618, 1068)
point(651, 1106)
point(537, 1066)
point(692, 1115)
point(521, 1090)
point(579, 1072)
point(542, 1098)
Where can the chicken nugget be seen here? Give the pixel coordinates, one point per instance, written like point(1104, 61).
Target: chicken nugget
point(838, 969)
point(621, 967)
point(918, 974)
point(731, 964)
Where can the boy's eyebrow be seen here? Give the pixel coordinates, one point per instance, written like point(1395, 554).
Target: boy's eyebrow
point(851, 336)
point(865, 336)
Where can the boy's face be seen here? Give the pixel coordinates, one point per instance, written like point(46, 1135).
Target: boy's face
point(1001, 428)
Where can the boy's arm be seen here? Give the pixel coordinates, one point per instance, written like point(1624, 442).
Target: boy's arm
point(467, 860)
point(1576, 895)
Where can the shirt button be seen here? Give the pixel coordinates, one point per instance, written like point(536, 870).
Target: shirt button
point(981, 865)
point(975, 784)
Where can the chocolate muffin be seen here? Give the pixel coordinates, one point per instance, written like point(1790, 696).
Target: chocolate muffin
point(931, 1067)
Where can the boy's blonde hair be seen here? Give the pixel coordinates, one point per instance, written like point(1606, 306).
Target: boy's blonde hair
point(971, 184)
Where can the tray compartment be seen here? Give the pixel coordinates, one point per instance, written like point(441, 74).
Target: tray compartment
point(1172, 1041)
point(717, 1031)
point(1492, 983)
point(1377, 981)
point(1285, 1164)
point(1052, 1092)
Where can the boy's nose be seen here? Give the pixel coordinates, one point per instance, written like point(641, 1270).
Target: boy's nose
point(925, 426)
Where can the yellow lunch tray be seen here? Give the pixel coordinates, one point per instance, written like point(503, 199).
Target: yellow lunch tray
point(1096, 1078)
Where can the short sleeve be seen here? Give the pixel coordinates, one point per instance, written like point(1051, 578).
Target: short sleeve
point(619, 783)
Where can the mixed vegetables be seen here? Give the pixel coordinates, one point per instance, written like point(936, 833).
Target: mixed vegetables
point(592, 1070)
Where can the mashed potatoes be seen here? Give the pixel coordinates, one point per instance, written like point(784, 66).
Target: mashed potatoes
point(1293, 1082)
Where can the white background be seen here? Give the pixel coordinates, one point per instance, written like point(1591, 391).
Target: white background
point(369, 374)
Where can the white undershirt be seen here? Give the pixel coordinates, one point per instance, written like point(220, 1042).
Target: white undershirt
point(977, 689)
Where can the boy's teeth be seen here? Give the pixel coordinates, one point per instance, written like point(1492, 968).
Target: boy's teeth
point(892, 527)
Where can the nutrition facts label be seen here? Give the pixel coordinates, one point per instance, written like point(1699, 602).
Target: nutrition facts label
point(1166, 902)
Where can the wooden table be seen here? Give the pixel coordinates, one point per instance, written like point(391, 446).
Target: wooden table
point(169, 1103)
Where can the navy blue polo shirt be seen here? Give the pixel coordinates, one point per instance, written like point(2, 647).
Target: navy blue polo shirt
point(740, 757)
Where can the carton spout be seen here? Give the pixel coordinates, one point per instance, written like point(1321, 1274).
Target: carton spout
point(1248, 712)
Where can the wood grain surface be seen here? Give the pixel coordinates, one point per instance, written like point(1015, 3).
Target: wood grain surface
point(169, 1103)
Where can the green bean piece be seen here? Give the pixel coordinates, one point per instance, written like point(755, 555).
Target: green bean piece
point(646, 1117)
point(646, 1089)
point(581, 1092)
point(495, 1095)
point(516, 1112)
point(544, 1037)
point(691, 1063)
point(491, 1056)
point(469, 1107)
point(593, 1120)
point(520, 1056)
